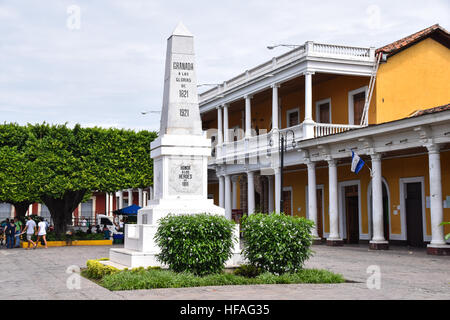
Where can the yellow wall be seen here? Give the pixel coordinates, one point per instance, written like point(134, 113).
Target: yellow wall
point(413, 79)
point(337, 89)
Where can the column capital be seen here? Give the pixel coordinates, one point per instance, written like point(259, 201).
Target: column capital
point(310, 164)
point(225, 105)
point(433, 147)
point(250, 173)
point(309, 72)
point(248, 96)
point(331, 162)
point(219, 107)
point(375, 156)
point(275, 85)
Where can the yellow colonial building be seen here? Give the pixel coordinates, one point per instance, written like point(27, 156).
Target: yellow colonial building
point(284, 133)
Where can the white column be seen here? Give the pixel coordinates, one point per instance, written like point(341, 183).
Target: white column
point(120, 199)
point(251, 193)
point(308, 95)
point(106, 203)
point(312, 196)
point(437, 212)
point(378, 241)
point(151, 195)
point(334, 236)
point(111, 203)
point(275, 105)
point(308, 123)
point(130, 197)
point(141, 198)
point(226, 133)
point(248, 117)
point(271, 199)
point(228, 197)
point(234, 181)
point(221, 192)
point(219, 126)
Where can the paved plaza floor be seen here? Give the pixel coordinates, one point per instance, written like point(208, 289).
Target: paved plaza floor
point(404, 274)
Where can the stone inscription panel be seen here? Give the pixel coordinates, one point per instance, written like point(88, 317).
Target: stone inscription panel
point(185, 177)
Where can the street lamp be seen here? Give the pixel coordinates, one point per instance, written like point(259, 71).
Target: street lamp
point(282, 148)
point(292, 46)
point(150, 111)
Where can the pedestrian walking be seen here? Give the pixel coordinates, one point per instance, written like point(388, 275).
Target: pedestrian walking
point(19, 227)
point(42, 233)
point(30, 229)
point(10, 232)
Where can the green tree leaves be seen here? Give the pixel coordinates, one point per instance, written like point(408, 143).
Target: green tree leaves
point(58, 165)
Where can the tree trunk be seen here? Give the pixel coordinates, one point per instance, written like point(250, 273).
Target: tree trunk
point(21, 208)
point(61, 209)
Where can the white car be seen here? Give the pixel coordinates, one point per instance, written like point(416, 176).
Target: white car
point(103, 220)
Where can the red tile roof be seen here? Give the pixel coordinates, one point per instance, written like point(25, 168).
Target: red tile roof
point(435, 31)
point(422, 112)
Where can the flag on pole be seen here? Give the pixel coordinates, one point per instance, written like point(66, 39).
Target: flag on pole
point(357, 163)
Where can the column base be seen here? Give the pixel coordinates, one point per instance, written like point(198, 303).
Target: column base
point(317, 241)
point(438, 250)
point(379, 245)
point(335, 242)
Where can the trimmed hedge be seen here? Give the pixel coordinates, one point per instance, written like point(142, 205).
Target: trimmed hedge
point(200, 243)
point(97, 270)
point(277, 243)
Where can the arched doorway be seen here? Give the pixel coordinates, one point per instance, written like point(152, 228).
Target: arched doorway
point(386, 212)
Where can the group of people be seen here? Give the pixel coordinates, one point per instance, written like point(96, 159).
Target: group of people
point(12, 229)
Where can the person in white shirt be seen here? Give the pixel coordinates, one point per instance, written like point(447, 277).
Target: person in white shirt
point(30, 229)
point(42, 232)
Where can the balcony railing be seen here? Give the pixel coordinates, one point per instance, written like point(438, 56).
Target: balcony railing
point(325, 129)
point(263, 144)
point(310, 48)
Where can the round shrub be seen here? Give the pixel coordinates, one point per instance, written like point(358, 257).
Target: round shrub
point(199, 243)
point(277, 243)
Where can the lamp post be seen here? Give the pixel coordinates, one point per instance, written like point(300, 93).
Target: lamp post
point(282, 147)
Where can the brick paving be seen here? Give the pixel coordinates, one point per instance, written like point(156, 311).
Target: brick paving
point(405, 274)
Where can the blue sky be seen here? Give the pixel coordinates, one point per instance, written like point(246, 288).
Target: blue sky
point(112, 67)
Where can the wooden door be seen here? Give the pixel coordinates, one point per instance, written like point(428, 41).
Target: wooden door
point(352, 213)
point(414, 224)
point(287, 208)
point(324, 113)
point(319, 213)
point(358, 106)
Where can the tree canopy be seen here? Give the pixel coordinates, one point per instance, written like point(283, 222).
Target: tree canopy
point(60, 166)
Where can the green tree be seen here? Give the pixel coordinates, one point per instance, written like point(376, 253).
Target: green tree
point(64, 165)
point(17, 187)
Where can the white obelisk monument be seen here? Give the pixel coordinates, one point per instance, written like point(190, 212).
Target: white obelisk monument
point(180, 158)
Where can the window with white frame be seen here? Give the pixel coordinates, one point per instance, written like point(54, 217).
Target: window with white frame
point(356, 101)
point(323, 111)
